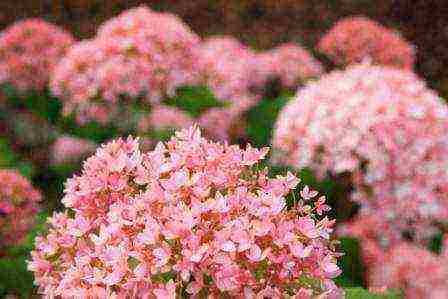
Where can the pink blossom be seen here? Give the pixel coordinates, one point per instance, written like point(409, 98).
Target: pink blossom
point(226, 67)
point(29, 51)
point(355, 39)
point(19, 204)
point(147, 61)
point(68, 149)
point(152, 222)
point(165, 117)
point(289, 62)
point(413, 269)
point(385, 128)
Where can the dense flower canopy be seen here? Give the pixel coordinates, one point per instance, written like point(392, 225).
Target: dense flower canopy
point(386, 128)
point(147, 61)
point(68, 149)
point(19, 204)
point(164, 117)
point(355, 39)
point(398, 269)
point(29, 50)
point(165, 40)
point(191, 215)
point(289, 62)
point(226, 67)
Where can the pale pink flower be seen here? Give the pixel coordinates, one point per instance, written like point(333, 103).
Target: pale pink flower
point(385, 128)
point(226, 67)
point(67, 149)
point(164, 117)
point(288, 62)
point(19, 204)
point(354, 39)
point(29, 51)
point(137, 217)
point(124, 62)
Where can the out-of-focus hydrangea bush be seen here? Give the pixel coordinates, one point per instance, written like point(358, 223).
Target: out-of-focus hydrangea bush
point(19, 204)
point(29, 51)
point(334, 94)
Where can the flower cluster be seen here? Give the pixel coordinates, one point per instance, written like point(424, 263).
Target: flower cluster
point(166, 117)
point(223, 123)
point(355, 39)
point(67, 149)
point(29, 50)
point(387, 129)
point(289, 62)
point(191, 216)
point(226, 68)
point(398, 269)
point(168, 44)
point(218, 123)
point(139, 54)
point(18, 207)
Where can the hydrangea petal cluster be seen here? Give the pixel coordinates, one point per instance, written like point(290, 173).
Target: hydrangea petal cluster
point(382, 125)
point(226, 67)
point(67, 149)
point(149, 60)
point(99, 75)
point(289, 62)
point(29, 50)
point(19, 204)
point(218, 123)
point(399, 270)
point(227, 122)
point(191, 216)
point(165, 40)
point(355, 39)
point(164, 117)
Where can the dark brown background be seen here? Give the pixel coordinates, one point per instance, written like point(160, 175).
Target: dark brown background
point(265, 23)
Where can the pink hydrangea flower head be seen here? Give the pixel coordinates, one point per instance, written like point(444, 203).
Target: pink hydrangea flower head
point(147, 61)
point(191, 215)
point(19, 204)
point(226, 67)
point(168, 44)
point(424, 278)
point(67, 149)
point(289, 62)
point(29, 50)
point(165, 117)
point(382, 125)
point(355, 39)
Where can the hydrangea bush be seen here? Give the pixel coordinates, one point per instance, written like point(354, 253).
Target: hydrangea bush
point(138, 54)
point(226, 67)
point(29, 51)
point(354, 39)
point(19, 204)
point(398, 269)
point(191, 217)
point(69, 149)
point(386, 129)
point(288, 62)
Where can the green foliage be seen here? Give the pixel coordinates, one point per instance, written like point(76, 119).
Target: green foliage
point(261, 119)
point(194, 100)
point(360, 293)
point(14, 276)
point(8, 159)
point(40, 103)
point(350, 263)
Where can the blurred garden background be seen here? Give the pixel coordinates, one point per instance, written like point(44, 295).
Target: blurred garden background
point(94, 87)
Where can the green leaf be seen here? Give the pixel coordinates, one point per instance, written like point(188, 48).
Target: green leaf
point(360, 293)
point(194, 100)
point(261, 119)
